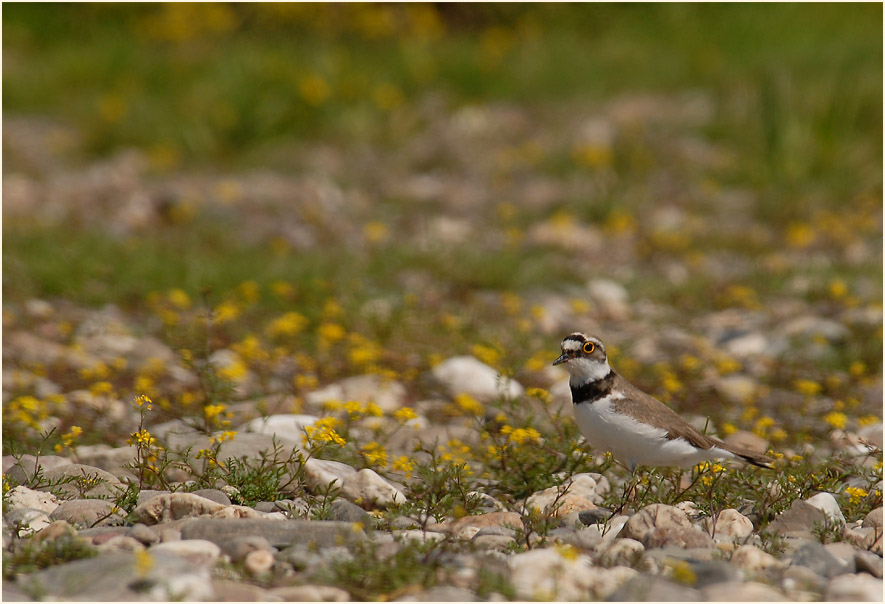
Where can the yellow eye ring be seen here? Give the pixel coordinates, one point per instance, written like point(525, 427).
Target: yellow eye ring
point(589, 347)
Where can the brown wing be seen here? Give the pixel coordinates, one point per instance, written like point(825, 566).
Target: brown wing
point(659, 415)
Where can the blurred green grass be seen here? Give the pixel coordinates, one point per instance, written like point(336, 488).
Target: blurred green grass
point(796, 92)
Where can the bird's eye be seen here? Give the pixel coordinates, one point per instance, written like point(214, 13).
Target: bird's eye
point(589, 347)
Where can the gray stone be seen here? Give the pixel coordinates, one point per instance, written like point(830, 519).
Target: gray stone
point(868, 562)
point(88, 513)
point(854, 588)
point(798, 521)
point(239, 547)
point(110, 459)
point(873, 519)
point(713, 571)
point(751, 558)
point(816, 557)
point(590, 517)
point(649, 588)
point(74, 481)
point(119, 578)
point(495, 542)
point(216, 495)
point(23, 470)
point(346, 511)
point(143, 534)
point(25, 521)
point(279, 533)
point(147, 494)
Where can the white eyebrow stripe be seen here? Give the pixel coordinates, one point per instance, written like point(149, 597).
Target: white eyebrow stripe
point(571, 345)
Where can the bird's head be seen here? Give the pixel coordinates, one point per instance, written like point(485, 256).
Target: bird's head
point(584, 358)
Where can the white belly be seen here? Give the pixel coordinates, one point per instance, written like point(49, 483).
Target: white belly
point(634, 443)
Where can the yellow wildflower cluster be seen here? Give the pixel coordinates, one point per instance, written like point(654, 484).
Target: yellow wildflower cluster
point(363, 352)
point(222, 437)
point(540, 394)
point(27, 410)
point(403, 464)
point(855, 494)
point(469, 405)
point(375, 454)
point(807, 387)
point(489, 355)
point(405, 414)
point(836, 419)
point(142, 438)
point(68, 438)
point(287, 325)
point(323, 432)
point(455, 451)
point(521, 435)
point(328, 334)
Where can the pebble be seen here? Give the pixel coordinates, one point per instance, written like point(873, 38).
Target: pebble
point(87, 512)
point(258, 562)
point(388, 394)
point(495, 542)
point(345, 511)
point(826, 503)
point(287, 425)
point(26, 521)
point(367, 487)
point(197, 551)
point(469, 375)
point(816, 557)
point(311, 593)
point(650, 588)
point(231, 591)
point(873, 519)
point(321, 474)
point(621, 552)
point(143, 534)
point(798, 521)
point(736, 591)
point(216, 495)
point(279, 533)
point(89, 481)
point(552, 501)
point(23, 497)
point(751, 558)
point(854, 588)
point(730, 526)
point(239, 547)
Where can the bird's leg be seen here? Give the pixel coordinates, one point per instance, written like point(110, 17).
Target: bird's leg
point(629, 491)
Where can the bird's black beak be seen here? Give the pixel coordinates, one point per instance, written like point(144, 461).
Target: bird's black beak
point(562, 359)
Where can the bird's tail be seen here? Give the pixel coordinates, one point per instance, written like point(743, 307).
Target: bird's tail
point(762, 461)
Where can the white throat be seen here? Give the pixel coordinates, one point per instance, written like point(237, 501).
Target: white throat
point(584, 371)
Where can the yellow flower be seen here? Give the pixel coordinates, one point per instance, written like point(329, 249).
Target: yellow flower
point(142, 438)
point(99, 388)
point(288, 325)
point(143, 401)
point(373, 409)
point(486, 354)
point(405, 414)
point(226, 311)
point(727, 428)
point(868, 420)
point(234, 372)
point(179, 299)
point(212, 411)
point(314, 89)
point(838, 288)
point(323, 431)
point(857, 368)
point(403, 464)
point(726, 365)
point(540, 394)
point(468, 404)
point(855, 494)
point(283, 289)
point(375, 454)
point(523, 435)
point(539, 361)
point(330, 333)
point(800, 235)
point(807, 387)
point(836, 419)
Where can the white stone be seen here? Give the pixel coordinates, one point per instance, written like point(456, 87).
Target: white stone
point(23, 497)
point(198, 551)
point(287, 425)
point(547, 574)
point(388, 394)
point(828, 505)
point(736, 388)
point(319, 474)
point(620, 552)
point(730, 525)
point(736, 591)
point(854, 588)
point(610, 296)
point(750, 557)
point(258, 562)
point(468, 375)
point(367, 486)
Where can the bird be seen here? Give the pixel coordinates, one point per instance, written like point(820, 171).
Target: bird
point(638, 429)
